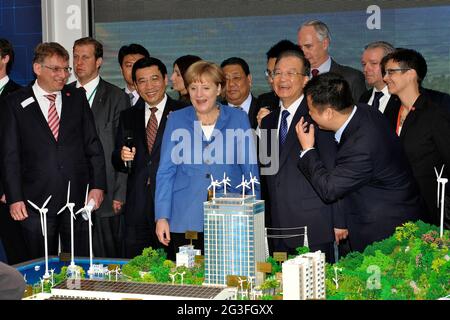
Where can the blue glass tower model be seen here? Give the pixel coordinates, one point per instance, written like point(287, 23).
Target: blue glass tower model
point(234, 237)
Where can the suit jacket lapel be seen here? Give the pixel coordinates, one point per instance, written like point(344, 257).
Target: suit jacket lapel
point(97, 104)
point(37, 113)
point(162, 125)
point(412, 115)
point(291, 138)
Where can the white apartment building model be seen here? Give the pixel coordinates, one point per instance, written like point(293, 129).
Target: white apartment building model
point(186, 256)
point(234, 235)
point(304, 277)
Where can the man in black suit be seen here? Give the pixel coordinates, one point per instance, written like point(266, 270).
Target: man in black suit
point(314, 39)
point(48, 138)
point(10, 231)
point(371, 170)
point(238, 87)
point(107, 102)
point(294, 203)
point(378, 96)
point(150, 78)
point(127, 56)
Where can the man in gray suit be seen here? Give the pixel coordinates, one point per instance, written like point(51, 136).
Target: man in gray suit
point(314, 39)
point(106, 101)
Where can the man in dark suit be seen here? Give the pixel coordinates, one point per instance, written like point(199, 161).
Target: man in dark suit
point(238, 87)
point(294, 203)
point(371, 170)
point(144, 124)
point(127, 56)
point(378, 95)
point(314, 39)
point(10, 232)
point(107, 102)
point(48, 138)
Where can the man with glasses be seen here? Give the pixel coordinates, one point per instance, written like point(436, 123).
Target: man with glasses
point(294, 203)
point(238, 87)
point(378, 96)
point(48, 138)
point(268, 101)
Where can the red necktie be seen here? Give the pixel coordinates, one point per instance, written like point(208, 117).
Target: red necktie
point(314, 72)
point(152, 129)
point(53, 118)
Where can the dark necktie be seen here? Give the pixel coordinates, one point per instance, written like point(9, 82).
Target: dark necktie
point(53, 118)
point(152, 129)
point(131, 95)
point(283, 128)
point(314, 72)
point(376, 99)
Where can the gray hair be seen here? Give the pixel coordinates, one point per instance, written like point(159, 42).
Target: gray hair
point(321, 29)
point(386, 46)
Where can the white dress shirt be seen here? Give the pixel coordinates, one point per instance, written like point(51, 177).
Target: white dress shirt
point(135, 95)
point(158, 113)
point(383, 100)
point(323, 68)
point(3, 83)
point(292, 110)
point(245, 105)
point(91, 89)
point(44, 103)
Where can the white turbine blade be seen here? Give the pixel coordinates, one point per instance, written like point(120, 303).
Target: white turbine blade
point(33, 205)
point(79, 211)
point(87, 192)
point(68, 192)
point(46, 202)
point(437, 175)
point(62, 209)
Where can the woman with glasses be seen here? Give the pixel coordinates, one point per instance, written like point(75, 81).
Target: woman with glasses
point(422, 123)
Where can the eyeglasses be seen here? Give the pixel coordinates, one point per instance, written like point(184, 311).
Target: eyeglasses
point(288, 74)
point(392, 71)
point(268, 73)
point(58, 69)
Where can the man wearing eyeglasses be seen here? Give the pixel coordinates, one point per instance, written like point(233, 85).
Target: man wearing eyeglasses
point(238, 87)
point(294, 203)
point(48, 138)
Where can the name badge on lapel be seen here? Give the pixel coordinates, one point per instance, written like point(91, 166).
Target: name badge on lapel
point(27, 102)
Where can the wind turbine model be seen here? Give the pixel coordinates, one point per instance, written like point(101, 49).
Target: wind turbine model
point(244, 184)
point(253, 180)
point(43, 213)
point(214, 184)
point(86, 213)
point(226, 182)
point(441, 197)
point(70, 206)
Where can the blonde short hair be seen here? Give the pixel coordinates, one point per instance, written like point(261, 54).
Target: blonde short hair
point(200, 69)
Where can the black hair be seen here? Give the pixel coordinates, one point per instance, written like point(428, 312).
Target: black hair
point(238, 61)
point(329, 90)
point(133, 48)
point(408, 59)
point(6, 49)
point(298, 53)
point(148, 62)
point(279, 47)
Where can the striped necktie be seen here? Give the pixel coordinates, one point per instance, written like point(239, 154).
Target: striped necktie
point(283, 128)
point(152, 129)
point(53, 118)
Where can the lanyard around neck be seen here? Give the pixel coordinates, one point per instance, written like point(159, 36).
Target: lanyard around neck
point(92, 94)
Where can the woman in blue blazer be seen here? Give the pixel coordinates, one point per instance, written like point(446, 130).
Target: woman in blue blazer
point(201, 141)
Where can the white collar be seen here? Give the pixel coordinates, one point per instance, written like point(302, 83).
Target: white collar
point(90, 86)
point(4, 81)
point(324, 67)
point(41, 92)
point(338, 134)
point(160, 105)
point(293, 107)
point(246, 104)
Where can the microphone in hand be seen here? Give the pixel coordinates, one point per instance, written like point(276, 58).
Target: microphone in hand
point(129, 143)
